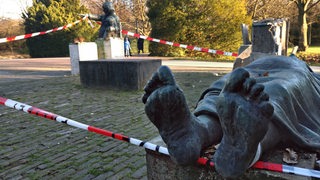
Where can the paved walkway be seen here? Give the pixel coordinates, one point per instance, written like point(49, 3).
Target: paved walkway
point(35, 148)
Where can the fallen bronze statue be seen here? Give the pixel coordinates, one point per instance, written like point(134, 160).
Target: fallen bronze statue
point(273, 101)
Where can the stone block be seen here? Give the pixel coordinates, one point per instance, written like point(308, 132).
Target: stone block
point(244, 57)
point(161, 167)
point(270, 36)
point(84, 51)
point(117, 74)
point(112, 48)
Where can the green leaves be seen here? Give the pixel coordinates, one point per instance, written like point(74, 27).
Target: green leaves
point(209, 23)
point(48, 14)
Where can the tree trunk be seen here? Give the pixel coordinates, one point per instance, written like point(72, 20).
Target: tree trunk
point(303, 31)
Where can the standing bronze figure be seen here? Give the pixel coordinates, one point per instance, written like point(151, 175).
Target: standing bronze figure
point(110, 22)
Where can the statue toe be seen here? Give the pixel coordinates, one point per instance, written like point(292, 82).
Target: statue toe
point(236, 80)
point(166, 76)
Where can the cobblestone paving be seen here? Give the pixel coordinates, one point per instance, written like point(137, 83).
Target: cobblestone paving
point(35, 148)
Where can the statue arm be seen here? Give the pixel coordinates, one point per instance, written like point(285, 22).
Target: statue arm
point(117, 25)
point(92, 16)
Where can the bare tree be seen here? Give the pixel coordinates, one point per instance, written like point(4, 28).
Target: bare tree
point(9, 28)
point(263, 9)
point(23, 5)
point(139, 9)
point(94, 6)
point(304, 6)
point(132, 13)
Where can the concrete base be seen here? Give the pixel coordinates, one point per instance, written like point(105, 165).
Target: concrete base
point(243, 58)
point(113, 48)
point(118, 74)
point(246, 56)
point(161, 167)
point(84, 51)
point(270, 36)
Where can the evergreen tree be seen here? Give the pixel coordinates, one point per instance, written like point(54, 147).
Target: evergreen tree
point(49, 14)
point(209, 23)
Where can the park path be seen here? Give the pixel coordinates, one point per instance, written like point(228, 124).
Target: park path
point(36, 68)
point(47, 67)
point(35, 148)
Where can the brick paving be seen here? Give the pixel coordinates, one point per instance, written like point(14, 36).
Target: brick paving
point(35, 148)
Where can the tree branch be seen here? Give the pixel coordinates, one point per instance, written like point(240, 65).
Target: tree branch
point(296, 2)
point(312, 5)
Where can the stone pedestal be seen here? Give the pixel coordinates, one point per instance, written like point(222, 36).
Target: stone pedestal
point(84, 51)
point(112, 48)
point(118, 74)
point(161, 167)
point(244, 56)
point(270, 36)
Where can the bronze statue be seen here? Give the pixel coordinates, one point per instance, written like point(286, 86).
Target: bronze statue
point(110, 22)
point(274, 100)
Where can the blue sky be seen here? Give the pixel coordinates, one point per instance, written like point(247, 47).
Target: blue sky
point(12, 8)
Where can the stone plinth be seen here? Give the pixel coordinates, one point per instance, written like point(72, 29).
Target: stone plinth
point(270, 36)
point(118, 74)
point(161, 167)
point(84, 51)
point(112, 48)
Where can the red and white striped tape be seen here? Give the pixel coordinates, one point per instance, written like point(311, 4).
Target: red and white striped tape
point(287, 169)
point(48, 115)
point(190, 47)
point(163, 150)
point(26, 36)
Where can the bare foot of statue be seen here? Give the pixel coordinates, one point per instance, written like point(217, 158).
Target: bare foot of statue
point(165, 105)
point(244, 112)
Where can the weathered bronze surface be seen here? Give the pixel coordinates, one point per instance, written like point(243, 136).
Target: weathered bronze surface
point(274, 100)
point(110, 22)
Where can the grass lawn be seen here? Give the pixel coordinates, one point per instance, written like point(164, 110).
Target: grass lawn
point(311, 49)
point(311, 56)
point(314, 49)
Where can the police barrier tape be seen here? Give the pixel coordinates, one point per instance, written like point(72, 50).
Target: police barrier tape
point(190, 47)
point(26, 36)
point(163, 150)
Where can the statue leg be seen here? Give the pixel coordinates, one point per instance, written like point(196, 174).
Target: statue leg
point(185, 135)
point(244, 112)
